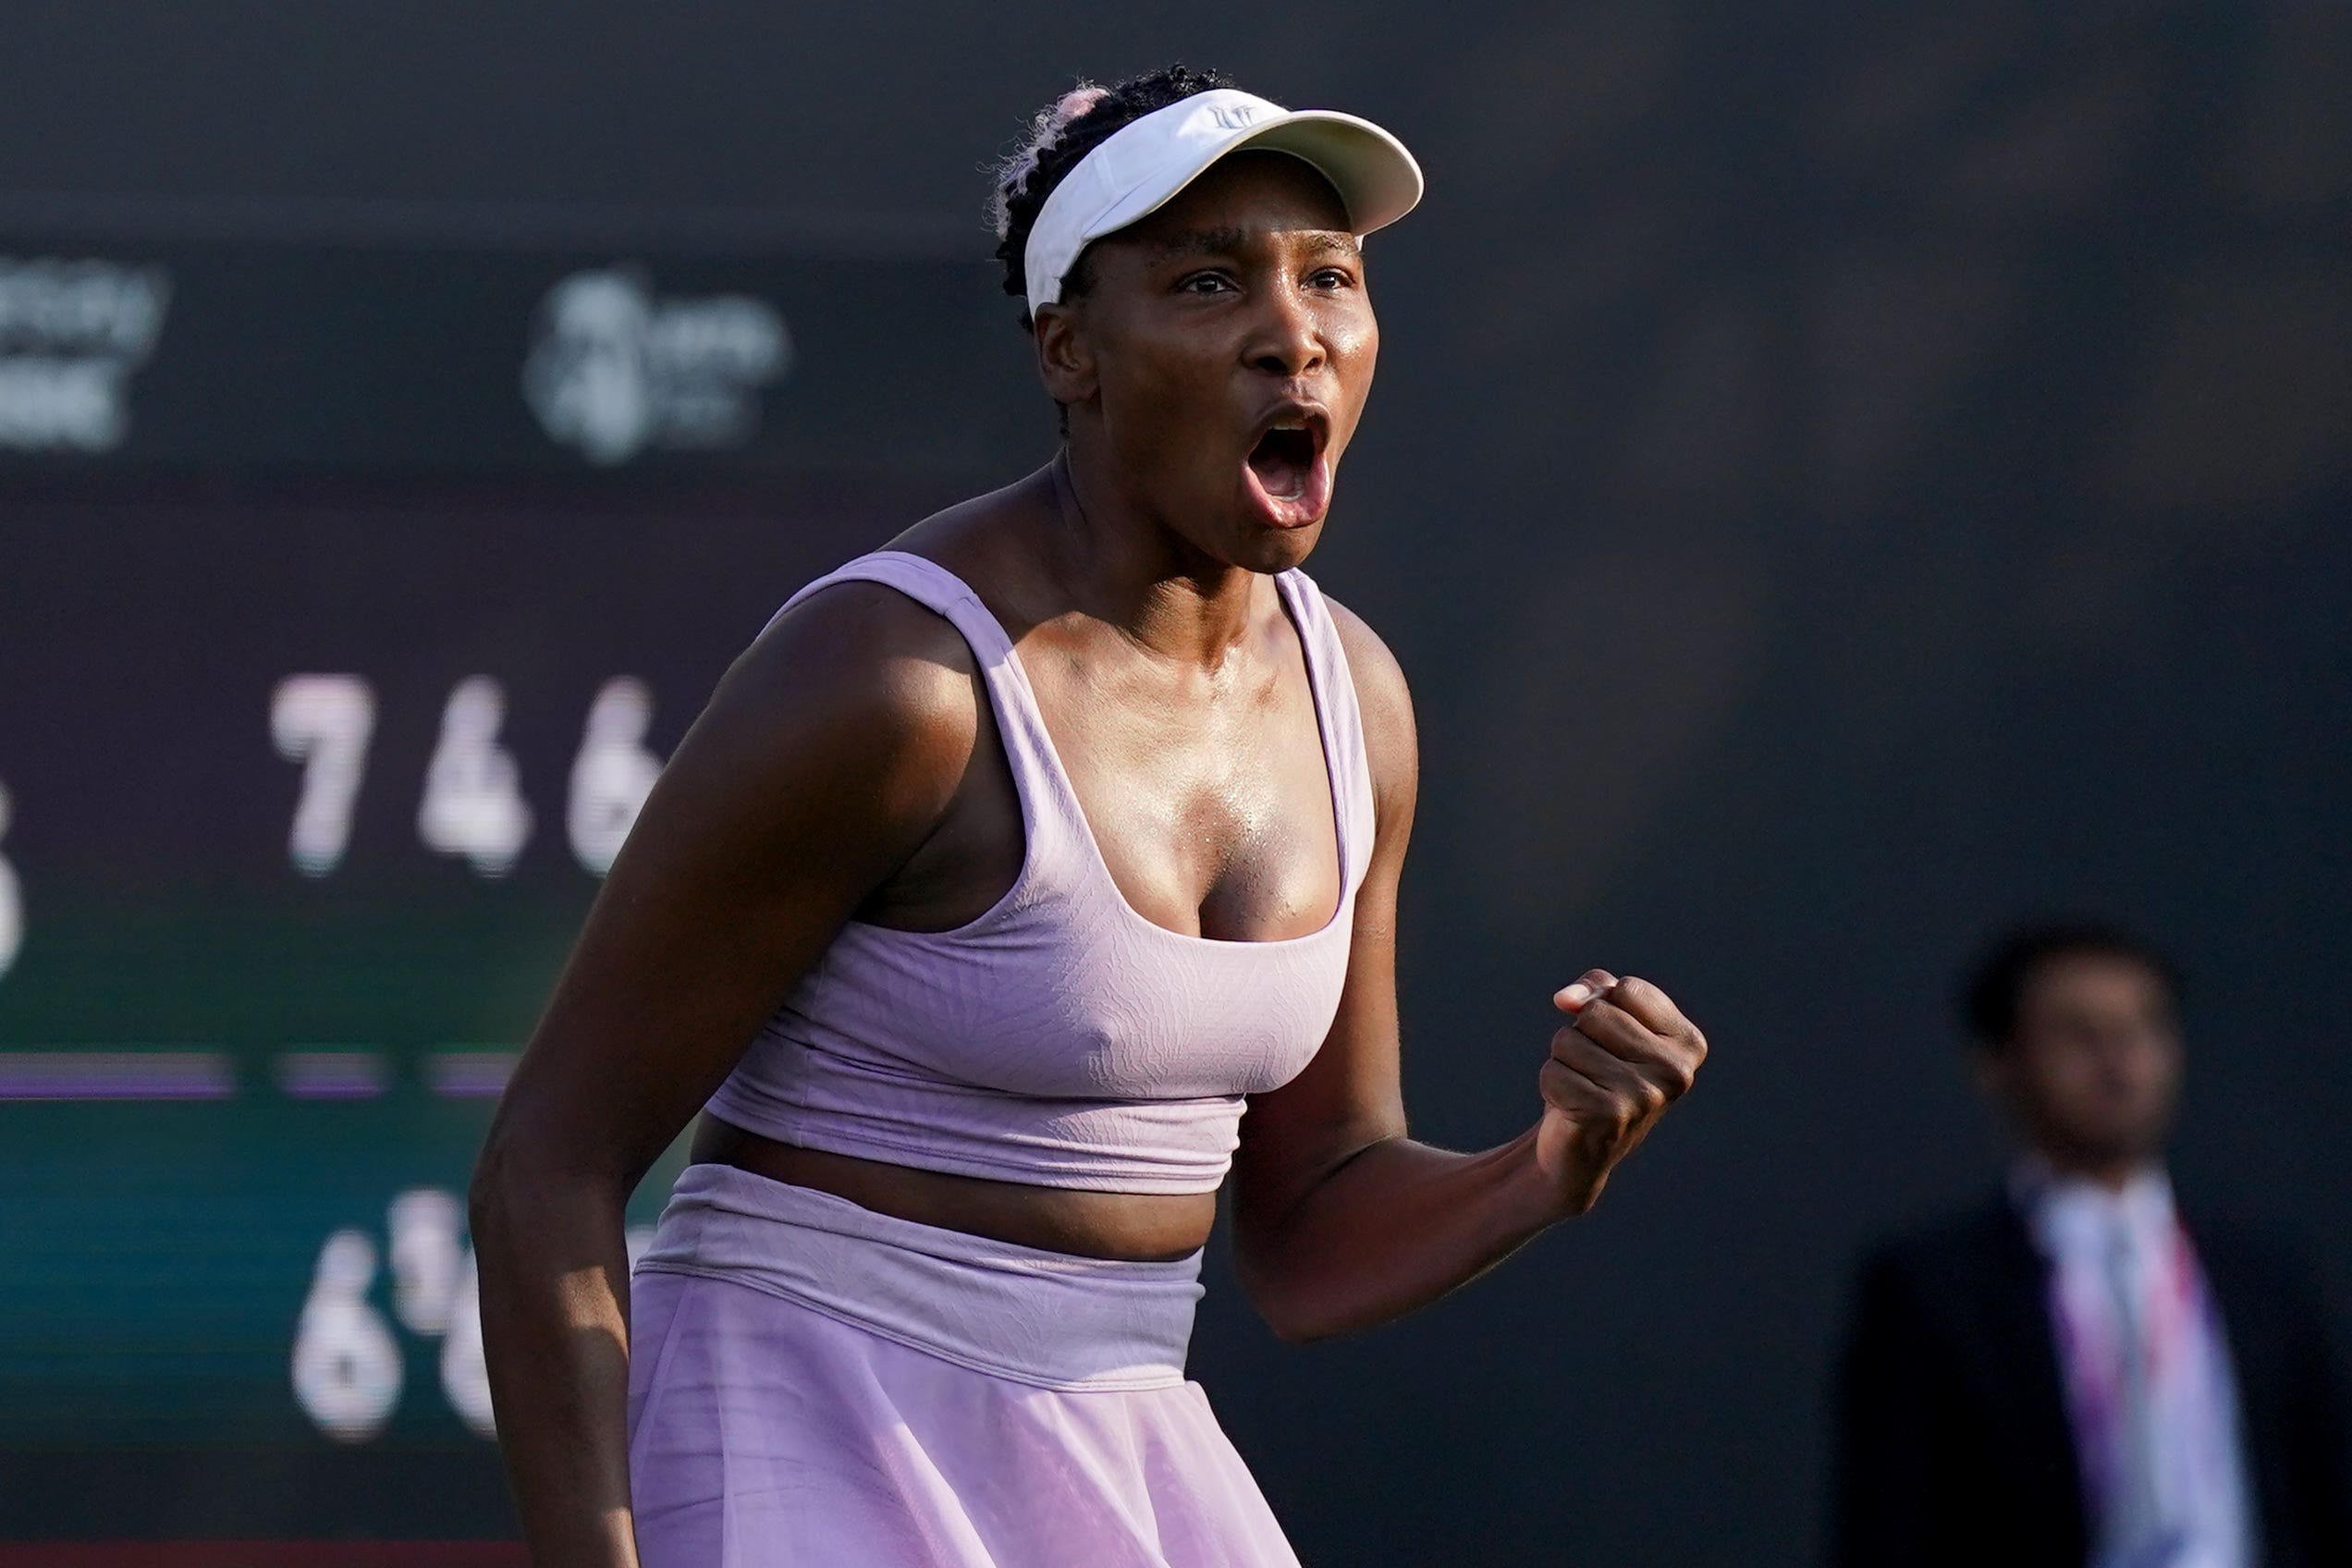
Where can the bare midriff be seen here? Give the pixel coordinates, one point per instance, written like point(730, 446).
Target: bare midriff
point(1129, 1227)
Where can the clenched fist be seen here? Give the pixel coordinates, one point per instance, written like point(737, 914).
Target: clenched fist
point(1628, 1056)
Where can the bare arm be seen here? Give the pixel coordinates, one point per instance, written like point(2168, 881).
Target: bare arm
point(1341, 1220)
point(827, 755)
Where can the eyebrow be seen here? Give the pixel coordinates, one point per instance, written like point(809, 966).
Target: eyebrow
point(1199, 241)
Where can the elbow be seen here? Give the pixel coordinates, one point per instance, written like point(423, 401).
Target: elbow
point(1297, 1314)
point(1298, 1323)
point(1295, 1329)
point(490, 1194)
point(516, 1186)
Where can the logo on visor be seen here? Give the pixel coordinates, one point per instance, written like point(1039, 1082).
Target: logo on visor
point(1237, 118)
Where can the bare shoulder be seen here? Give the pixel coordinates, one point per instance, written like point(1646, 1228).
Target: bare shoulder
point(1380, 686)
point(857, 685)
point(1391, 740)
point(865, 640)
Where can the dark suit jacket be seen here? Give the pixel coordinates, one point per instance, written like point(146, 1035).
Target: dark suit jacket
point(1952, 1441)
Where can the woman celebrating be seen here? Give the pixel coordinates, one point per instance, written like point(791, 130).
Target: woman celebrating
point(1006, 867)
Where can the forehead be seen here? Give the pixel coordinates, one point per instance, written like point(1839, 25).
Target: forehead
point(1252, 193)
point(2088, 981)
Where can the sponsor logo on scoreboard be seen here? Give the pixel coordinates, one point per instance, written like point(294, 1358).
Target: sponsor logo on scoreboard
point(72, 332)
point(615, 369)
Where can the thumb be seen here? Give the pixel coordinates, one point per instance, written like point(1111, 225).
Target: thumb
point(1571, 998)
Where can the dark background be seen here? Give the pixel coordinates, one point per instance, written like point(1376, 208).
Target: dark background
point(1837, 480)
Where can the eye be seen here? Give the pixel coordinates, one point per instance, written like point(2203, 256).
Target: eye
point(1331, 277)
point(1204, 283)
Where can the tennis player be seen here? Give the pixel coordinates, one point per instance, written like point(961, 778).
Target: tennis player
point(1004, 871)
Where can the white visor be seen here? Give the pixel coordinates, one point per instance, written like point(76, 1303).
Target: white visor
point(1141, 166)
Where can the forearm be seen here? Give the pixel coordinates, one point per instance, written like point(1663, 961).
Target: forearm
point(1396, 1226)
point(553, 1269)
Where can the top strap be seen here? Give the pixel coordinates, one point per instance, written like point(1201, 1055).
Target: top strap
point(1342, 715)
point(929, 584)
point(1053, 823)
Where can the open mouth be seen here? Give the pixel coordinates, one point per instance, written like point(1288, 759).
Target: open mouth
point(1284, 461)
point(1286, 473)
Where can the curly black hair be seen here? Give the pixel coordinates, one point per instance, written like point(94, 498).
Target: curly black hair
point(1063, 132)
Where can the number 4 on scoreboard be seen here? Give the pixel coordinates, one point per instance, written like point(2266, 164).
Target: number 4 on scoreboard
point(474, 804)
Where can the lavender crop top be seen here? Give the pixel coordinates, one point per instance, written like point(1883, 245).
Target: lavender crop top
point(1060, 1039)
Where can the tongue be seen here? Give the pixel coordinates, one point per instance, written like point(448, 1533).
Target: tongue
point(1280, 460)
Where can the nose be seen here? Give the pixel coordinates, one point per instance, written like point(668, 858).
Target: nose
point(1286, 341)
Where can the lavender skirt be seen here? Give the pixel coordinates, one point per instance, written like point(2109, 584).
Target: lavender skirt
point(813, 1383)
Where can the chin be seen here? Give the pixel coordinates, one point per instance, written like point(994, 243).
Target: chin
point(2126, 1146)
point(1261, 544)
point(1275, 550)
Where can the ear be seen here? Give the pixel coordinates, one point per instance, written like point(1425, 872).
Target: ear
point(1065, 359)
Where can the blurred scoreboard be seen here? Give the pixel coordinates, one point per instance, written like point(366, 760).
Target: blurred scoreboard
point(350, 600)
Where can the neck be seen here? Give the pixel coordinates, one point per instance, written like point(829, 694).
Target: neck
point(2114, 1172)
point(1130, 568)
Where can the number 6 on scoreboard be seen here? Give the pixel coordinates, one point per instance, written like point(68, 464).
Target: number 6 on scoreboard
point(11, 901)
point(323, 722)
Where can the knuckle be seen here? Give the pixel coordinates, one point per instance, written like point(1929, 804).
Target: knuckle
point(1557, 1085)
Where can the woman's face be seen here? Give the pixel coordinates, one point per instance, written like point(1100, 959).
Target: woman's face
point(1219, 358)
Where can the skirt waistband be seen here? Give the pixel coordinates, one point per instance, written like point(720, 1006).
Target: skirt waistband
point(1046, 1319)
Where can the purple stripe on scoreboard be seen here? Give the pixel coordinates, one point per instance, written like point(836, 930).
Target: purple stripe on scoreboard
point(116, 1075)
point(471, 1073)
point(333, 1075)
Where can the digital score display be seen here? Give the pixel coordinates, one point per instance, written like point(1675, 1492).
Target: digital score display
point(305, 805)
point(307, 778)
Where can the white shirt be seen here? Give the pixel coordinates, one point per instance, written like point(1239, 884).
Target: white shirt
point(2150, 1392)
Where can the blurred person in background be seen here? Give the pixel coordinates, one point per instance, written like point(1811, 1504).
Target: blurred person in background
point(2085, 1369)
